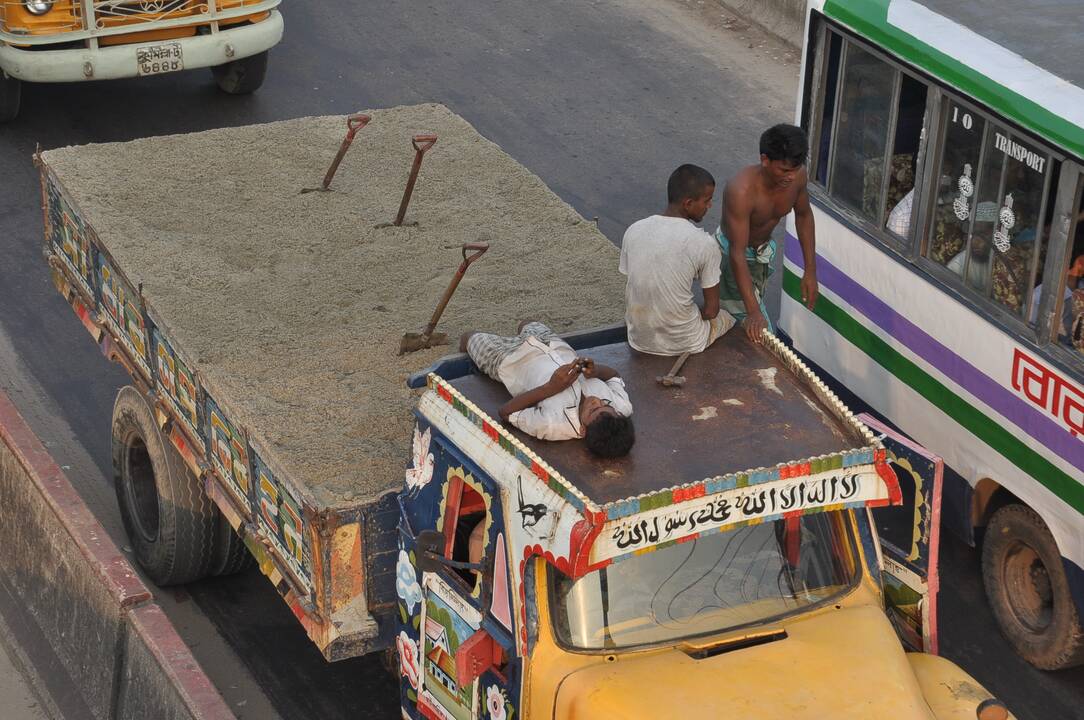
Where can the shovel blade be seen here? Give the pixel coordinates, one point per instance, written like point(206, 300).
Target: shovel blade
point(412, 342)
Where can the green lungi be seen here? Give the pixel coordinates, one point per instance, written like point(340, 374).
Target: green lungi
point(760, 269)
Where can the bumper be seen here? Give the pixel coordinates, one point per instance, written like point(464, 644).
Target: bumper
point(112, 63)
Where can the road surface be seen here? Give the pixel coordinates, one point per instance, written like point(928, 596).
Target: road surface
point(601, 98)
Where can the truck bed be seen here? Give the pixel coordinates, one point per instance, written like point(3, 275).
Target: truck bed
point(741, 408)
point(290, 306)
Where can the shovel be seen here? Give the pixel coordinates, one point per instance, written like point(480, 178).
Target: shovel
point(354, 123)
point(413, 342)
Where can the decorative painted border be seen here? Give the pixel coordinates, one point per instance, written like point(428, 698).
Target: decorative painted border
point(228, 495)
point(671, 496)
point(893, 489)
point(510, 444)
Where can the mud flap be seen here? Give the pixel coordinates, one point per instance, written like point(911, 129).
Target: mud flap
point(909, 535)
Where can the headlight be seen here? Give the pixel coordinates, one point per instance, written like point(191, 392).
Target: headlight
point(991, 709)
point(38, 7)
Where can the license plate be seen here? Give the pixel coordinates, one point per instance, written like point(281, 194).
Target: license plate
point(157, 59)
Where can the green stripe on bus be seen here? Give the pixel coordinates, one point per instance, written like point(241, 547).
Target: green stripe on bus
point(870, 19)
point(964, 413)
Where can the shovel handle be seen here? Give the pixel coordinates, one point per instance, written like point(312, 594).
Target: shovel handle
point(478, 249)
point(422, 143)
point(355, 123)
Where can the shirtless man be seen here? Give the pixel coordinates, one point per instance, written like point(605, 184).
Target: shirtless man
point(756, 199)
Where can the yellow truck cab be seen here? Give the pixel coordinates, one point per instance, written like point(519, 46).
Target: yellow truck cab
point(730, 567)
point(74, 40)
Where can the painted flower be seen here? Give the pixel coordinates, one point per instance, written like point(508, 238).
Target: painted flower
point(495, 702)
point(406, 582)
point(408, 658)
point(419, 476)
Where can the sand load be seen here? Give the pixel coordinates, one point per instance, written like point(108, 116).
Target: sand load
point(292, 305)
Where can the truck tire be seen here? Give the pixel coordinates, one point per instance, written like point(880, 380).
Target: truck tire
point(170, 521)
point(10, 97)
point(231, 555)
point(241, 77)
point(1026, 585)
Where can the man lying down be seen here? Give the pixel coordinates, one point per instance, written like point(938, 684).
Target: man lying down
point(556, 395)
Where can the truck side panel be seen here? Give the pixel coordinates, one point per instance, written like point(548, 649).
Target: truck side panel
point(299, 548)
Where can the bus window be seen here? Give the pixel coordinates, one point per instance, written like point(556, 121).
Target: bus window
point(956, 187)
point(861, 133)
point(1070, 306)
point(831, 79)
point(899, 200)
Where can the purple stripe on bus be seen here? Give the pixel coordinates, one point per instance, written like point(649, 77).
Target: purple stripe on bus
point(960, 371)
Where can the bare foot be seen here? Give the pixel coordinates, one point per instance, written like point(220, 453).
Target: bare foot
point(464, 338)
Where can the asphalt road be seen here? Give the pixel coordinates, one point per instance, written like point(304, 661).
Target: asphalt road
point(601, 98)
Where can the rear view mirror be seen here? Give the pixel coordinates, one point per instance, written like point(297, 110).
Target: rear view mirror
point(475, 656)
point(430, 553)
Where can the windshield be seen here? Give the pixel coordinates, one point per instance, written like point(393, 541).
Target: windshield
point(714, 583)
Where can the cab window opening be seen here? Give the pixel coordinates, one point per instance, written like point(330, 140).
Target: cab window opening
point(465, 534)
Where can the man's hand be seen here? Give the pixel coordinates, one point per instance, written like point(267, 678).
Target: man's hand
point(587, 366)
point(755, 324)
point(809, 288)
point(564, 376)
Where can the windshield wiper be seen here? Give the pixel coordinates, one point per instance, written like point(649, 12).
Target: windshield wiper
point(702, 652)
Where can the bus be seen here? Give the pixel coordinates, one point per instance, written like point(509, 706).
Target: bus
point(946, 170)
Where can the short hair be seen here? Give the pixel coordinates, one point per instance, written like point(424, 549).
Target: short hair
point(610, 436)
point(688, 182)
point(785, 142)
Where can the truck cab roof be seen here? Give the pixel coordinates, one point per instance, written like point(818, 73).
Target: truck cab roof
point(743, 407)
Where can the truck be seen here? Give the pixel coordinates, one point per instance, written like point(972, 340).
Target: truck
point(47, 41)
point(270, 417)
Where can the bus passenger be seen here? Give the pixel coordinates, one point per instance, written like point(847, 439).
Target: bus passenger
point(755, 200)
point(662, 256)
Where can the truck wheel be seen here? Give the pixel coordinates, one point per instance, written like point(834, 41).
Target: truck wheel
point(241, 77)
point(1028, 591)
point(169, 519)
point(231, 555)
point(10, 96)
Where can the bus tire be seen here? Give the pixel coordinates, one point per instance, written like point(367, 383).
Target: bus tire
point(170, 520)
point(1028, 591)
point(241, 77)
point(11, 91)
point(231, 555)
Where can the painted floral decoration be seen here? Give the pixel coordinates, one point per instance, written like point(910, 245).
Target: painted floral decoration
point(406, 582)
point(495, 703)
point(408, 658)
point(419, 476)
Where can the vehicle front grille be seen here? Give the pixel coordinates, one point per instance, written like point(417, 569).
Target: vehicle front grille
point(112, 13)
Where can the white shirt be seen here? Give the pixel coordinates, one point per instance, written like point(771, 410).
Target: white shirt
point(661, 257)
point(899, 220)
point(558, 416)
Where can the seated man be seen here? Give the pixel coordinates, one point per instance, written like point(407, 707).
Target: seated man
point(555, 394)
point(661, 256)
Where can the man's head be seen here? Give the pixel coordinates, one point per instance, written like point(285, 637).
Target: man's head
point(783, 150)
point(690, 190)
point(607, 433)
